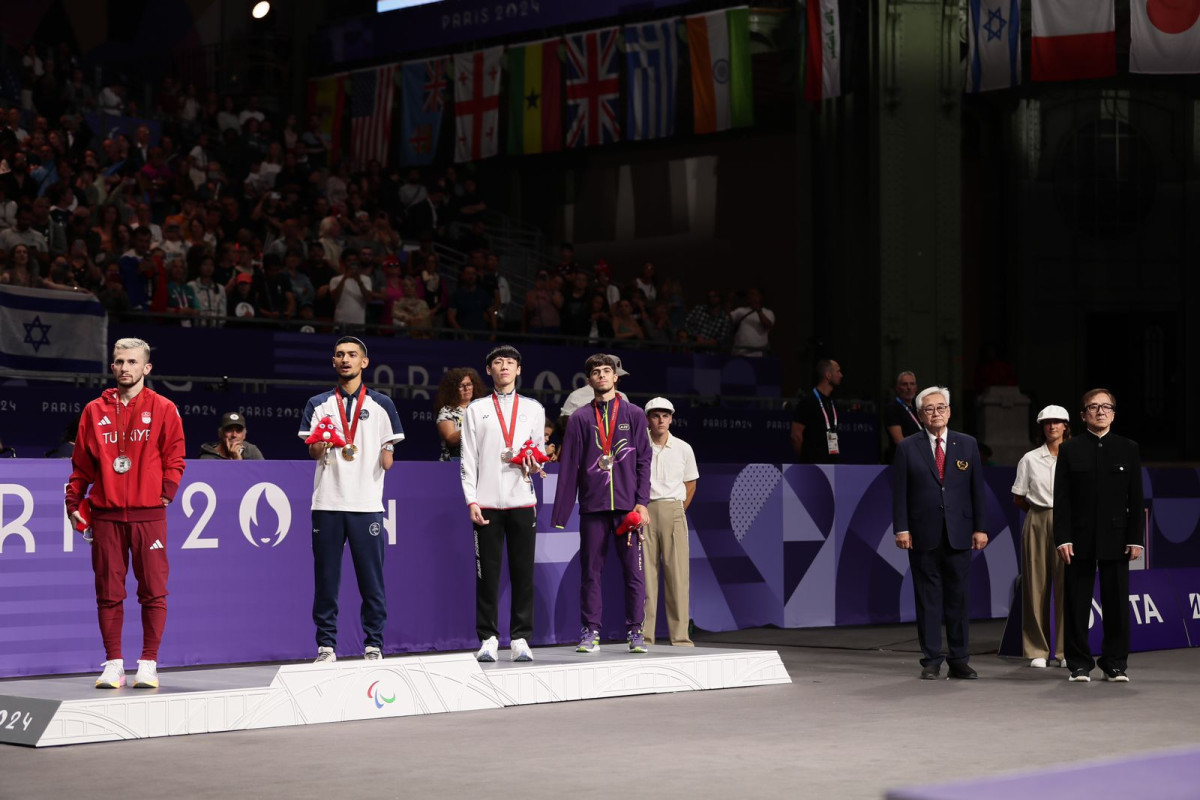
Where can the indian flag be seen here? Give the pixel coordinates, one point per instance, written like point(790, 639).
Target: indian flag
point(534, 98)
point(722, 93)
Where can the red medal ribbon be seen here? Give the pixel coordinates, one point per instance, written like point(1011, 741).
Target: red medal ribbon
point(606, 436)
point(348, 429)
point(511, 430)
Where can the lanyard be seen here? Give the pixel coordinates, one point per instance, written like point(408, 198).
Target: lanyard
point(509, 431)
point(124, 429)
point(907, 408)
point(607, 434)
point(347, 429)
point(821, 403)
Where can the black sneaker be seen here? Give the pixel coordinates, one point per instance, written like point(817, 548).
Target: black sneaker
point(1117, 675)
point(1080, 676)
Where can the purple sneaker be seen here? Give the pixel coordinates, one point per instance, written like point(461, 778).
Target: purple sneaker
point(637, 643)
point(589, 641)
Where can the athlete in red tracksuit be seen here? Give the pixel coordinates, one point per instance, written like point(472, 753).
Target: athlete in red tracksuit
point(130, 450)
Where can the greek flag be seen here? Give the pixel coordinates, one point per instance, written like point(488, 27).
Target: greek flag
point(52, 330)
point(652, 55)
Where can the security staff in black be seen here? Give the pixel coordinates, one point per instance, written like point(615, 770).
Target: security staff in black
point(1098, 524)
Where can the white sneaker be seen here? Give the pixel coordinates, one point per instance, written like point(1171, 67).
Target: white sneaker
point(373, 653)
point(1038, 663)
point(521, 651)
point(113, 676)
point(147, 675)
point(487, 650)
point(325, 655)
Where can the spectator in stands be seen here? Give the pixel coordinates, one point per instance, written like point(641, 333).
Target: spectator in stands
point(350, 293)
point(23, 233)
point(900, 417)
point(410, 312)
point(231, 444)
point(646, 283)
point(20, 271)
point(469, 303)
point(277, 300)
point(383, 238)
point(54, 233)
point(111, 100)
point(658, 327)
point(625, 327)
point(78, 94)
point(106, 228)
point(433, 287)
point(542, 306)
point(210, 295)
point(458, 388)
point(113, 296)
point(315, 143)
point(600, 327)
point(815, 422)
point(331, 239)
point(8, 208)
point(470, 206)
point(242, 299)
point(143, 276)
point(605, 286)
point(566, 260)
point(752, 325)
point(708, 325)
point(143, 218)
point(181, 298)
point(173, 245)
point(321, 273)
point(302, 287)
point(79, 229)
point(577, 307)
point(496, 285)
point(227, 119)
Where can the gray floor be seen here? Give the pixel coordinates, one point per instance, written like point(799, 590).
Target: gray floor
point(854, 723)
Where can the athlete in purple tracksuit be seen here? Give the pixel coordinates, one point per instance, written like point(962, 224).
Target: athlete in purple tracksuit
point(606, 460)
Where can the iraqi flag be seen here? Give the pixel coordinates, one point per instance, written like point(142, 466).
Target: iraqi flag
point(477, 104)
point(827, 25)
point(994, 45)
point(1074, 39)
point(1165, 36)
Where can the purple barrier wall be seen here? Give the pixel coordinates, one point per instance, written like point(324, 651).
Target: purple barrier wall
point(794, 545)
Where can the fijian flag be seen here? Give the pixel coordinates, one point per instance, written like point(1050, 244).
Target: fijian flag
point(371, 94)
point(49, 329)
point(652, 54)
point(426, 90)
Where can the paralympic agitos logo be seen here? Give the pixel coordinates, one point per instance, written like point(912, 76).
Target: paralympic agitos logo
point(376, 694)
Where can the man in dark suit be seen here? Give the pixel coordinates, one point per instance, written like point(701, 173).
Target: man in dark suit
point(938, 509)
point(1098, 523)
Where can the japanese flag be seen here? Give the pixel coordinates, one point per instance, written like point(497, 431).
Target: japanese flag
point(1165, 36)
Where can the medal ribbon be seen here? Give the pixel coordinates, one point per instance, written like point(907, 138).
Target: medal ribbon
point(908, 408)
point(511, 430)
point(124, 429)
point(606, 436)
point(821, 403)
point(348, 429)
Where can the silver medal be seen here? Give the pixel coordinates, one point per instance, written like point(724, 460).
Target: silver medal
point(122, 464)
point(506, 456)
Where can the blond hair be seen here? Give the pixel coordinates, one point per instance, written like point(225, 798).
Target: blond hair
point(132, 344)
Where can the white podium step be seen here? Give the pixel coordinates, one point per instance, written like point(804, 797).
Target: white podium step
point(43, 712)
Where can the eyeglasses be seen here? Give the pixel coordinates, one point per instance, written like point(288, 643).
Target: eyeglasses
point(1096, 408)
point(467, 385)
point(929, 411)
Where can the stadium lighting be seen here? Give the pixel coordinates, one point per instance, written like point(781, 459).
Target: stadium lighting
point(261, 9)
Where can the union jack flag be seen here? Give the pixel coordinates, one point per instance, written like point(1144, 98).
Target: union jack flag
point(593, 88)
point(435, 85)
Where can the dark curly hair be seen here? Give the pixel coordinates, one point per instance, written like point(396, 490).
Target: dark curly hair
point(447, 393)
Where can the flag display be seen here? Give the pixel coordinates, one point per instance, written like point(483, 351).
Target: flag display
point(424, 88)
point(1164, 37)
point(535, 98)
point(652, 56)
point(1073, 39)
point(825, 39)
point(994, 44)
point(371, 96)
point(722, 95)
point(48, 329)
point(327, 99)
point(476, 103)
point(592, 88)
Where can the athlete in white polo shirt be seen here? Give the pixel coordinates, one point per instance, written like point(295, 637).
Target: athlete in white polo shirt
point(347, 500)
point(501, 500)
point(673, 476)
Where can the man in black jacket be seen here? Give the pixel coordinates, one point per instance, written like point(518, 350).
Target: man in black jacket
point(1098, 523)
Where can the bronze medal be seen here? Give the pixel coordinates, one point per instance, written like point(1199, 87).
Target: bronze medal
point(349, 451)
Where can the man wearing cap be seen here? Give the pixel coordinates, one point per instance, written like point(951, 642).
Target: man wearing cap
point(1041, 569)
point(673, 476)
point(232, 445)
point(1099, 524)
point(606, 460)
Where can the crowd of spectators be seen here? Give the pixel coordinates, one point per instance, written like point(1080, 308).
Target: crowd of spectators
point(219, 212)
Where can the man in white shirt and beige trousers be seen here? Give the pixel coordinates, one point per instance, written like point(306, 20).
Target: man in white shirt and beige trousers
point(673, 477)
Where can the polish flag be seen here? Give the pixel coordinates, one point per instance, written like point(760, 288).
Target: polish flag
point(1074, 39)
point(1165, 36)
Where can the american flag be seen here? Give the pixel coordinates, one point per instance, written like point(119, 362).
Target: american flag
point(593, 88)
point(371, 94)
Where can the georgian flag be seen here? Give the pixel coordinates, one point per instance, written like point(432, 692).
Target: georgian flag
point(1165, 36)
point(994, 42)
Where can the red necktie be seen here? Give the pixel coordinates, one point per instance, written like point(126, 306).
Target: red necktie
point(939, 455)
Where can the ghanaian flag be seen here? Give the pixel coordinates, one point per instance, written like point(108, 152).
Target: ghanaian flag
point(535, 98)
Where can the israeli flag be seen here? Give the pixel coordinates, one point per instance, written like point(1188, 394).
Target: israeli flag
point(652, 58)
point(52, 330)
point(994, 42)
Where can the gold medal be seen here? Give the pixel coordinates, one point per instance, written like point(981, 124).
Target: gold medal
point(349, 451)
